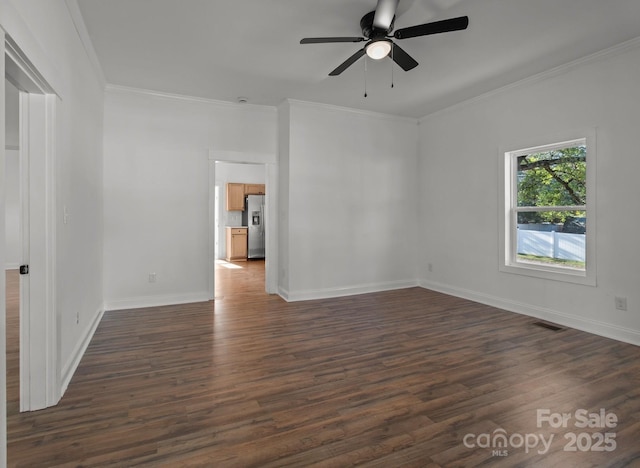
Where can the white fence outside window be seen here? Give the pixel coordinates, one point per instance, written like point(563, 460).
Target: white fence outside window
point(560, 245)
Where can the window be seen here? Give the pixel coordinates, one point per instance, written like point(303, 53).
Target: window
point(548, 224)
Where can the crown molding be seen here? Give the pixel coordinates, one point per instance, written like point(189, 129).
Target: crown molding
point(350, 110)
point(550, 73)
point(184, 98)
point(87, 44)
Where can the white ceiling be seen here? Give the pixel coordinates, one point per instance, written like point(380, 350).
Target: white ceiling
point(224, 49)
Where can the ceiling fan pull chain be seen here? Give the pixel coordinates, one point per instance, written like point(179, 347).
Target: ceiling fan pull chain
point(392, 61)
point(365, 76)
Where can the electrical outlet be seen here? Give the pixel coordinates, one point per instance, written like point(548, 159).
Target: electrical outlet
point(77, 318)
point(429, 267)
point(621, 303)
point(152, 277)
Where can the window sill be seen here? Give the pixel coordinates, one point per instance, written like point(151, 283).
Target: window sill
point(566, 275)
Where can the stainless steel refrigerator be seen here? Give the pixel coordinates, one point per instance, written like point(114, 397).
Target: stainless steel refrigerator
point(253, 218)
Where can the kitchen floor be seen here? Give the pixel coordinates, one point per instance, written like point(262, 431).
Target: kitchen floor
point(239, 278)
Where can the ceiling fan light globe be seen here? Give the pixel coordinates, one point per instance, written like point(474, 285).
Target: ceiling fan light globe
point(379, 49)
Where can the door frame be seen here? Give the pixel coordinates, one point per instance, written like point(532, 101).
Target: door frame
point(39, 369)
point(270, 162)
point(3, 315)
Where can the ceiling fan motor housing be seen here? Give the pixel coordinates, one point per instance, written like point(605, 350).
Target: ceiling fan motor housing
point(369, 31)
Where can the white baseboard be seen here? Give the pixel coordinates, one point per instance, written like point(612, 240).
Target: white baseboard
point(283, 293)
point(310, 294)
point(596, 327)
point(76, 355)
point(156, 301)
point(11, 266)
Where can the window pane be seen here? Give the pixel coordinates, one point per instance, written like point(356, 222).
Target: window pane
point(552, 178)
point(563, 219)
point(554, 238)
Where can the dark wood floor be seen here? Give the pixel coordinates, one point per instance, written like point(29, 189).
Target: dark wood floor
point(399, 378)
point(13, 340)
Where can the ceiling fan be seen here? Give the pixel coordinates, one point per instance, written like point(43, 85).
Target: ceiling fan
point(376, 29)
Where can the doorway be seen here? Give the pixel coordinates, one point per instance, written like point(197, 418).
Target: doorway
point(231, 165)
point(233, 274)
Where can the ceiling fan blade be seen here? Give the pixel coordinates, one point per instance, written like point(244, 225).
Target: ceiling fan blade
point(404, 60)
point(385, 12)
point(347, 63)
point(437, 27)
point(324, 40)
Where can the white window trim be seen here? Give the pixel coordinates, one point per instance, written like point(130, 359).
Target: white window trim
point(507, 223)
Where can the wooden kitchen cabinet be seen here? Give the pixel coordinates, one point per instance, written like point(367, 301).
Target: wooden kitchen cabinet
point(236, 244)
point(235, 197)
point(254, 189)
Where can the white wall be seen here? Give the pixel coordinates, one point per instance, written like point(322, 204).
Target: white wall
point(233, 172)
point(79, 114)
point(156, 189)
point(459, 181)
point(348, 180)
point(44, 30)
point(45, 33)
point(350, 207)
point(284, 137)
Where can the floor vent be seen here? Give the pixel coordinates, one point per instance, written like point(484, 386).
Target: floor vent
point(548, 326)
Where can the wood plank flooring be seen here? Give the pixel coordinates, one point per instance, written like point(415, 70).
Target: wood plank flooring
point(13, 340)
point(398, 378)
